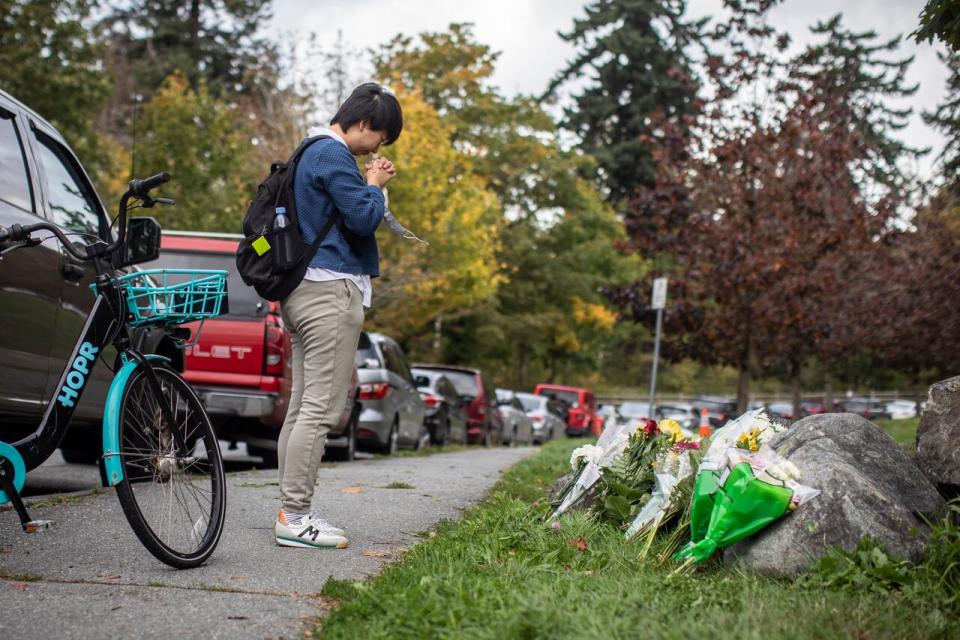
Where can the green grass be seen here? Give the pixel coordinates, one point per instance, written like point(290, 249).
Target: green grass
point(399, 485)
point(502, 572)
point(427, 451)
point(903, 431)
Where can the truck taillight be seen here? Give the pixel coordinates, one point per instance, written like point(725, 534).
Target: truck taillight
point(374, 390)
point(431, 400)
point(274, 349)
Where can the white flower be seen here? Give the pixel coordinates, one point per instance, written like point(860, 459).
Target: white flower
point(587, 453)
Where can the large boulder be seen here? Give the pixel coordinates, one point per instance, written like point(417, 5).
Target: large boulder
point(938, 437)
point(869, 486)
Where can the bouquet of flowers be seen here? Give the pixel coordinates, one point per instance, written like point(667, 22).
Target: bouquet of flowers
point(586, 462)
point(627, 481)
point(752, 490)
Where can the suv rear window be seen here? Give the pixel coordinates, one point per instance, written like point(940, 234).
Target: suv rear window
point(530, 403)
point(572, 398)
point(464, 382)
point(366, 351)
point(243, 301)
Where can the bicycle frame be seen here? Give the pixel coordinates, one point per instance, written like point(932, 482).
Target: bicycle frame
point(104, 325)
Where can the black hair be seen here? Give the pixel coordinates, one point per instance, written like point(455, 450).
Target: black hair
point(377, 106)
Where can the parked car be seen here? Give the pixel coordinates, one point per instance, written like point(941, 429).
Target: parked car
point(546, 416)
point(610, 415)
point(517, 428)
point(719, 409)
point(484, 423)
point(392, 410)
point(781, 409)
point(444, 415)
point(45, 294)
point(869, 409)
point(581, 418)
point(902, 409)
point(683, 412)
point(633, 411)
point(240, 366)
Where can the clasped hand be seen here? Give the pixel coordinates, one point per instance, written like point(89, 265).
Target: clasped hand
point(379, 171)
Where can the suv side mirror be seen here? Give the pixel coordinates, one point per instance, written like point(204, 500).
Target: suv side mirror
point(142, 241)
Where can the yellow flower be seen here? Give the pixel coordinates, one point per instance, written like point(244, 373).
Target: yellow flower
point(672, 429)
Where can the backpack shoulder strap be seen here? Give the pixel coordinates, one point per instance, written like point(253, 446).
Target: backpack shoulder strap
point(325, 229)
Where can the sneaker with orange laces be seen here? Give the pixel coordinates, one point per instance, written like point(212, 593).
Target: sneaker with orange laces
point(307, 531)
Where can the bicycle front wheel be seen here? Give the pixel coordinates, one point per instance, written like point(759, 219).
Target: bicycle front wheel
point(174, 502)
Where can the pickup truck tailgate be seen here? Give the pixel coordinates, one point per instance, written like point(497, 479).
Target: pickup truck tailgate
point(229, 347)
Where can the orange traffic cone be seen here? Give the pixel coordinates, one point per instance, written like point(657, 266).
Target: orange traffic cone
point(705, 428)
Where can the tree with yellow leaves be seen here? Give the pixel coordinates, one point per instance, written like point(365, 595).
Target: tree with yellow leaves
point(437, 195)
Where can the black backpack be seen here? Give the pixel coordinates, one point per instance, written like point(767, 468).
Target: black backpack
point(274, 261)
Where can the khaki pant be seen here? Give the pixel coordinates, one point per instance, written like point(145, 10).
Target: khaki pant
point(324, 320)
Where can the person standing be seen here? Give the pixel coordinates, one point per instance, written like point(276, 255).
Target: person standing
point(324, 314)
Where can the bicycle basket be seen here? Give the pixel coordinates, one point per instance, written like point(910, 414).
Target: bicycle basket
point(173, 296)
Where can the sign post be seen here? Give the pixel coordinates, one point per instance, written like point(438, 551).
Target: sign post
point(658, 303)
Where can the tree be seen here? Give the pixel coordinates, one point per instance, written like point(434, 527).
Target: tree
point(555, 247)
point(204, 144)
point(633, 54)
point(217, 41)
point(51, 59)
point(764, 217)
point(940, 19)
point(946, 118)
point(438, 195)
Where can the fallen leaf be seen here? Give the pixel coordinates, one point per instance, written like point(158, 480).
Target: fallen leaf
point(376, 554)
point(352, 490)
point(21, 586)
point(579, 543)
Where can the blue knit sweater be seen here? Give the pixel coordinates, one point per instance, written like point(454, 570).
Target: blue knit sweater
point(327, 183)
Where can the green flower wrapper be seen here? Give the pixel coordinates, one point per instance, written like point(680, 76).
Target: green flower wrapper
point(701, 506)
point(742, 506)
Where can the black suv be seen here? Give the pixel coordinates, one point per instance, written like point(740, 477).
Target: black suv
point(45, 293)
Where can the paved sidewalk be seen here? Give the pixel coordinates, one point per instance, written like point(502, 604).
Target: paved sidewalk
point(89, 577)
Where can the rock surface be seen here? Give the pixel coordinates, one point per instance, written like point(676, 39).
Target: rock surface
point(869, 486)
point(938, 437)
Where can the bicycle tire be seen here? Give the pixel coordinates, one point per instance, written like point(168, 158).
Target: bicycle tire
point(154, 476)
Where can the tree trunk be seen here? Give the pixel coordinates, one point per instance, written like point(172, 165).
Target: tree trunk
point(746, 371)
point(194, 27)
point(795, 388)
point(438, 339)
point(828, 393)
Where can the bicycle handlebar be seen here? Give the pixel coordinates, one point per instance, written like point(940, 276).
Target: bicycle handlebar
point(138, 189)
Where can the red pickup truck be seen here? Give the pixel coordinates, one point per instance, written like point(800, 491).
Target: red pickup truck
point(240, 367)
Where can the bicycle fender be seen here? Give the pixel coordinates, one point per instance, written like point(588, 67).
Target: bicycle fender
point(112, 464)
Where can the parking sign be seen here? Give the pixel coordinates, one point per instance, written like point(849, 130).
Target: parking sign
point(659, 293)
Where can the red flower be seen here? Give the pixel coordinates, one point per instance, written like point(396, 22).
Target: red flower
point(651, 428)
point(686, 445)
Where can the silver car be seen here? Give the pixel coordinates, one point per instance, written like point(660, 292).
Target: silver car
point(545, 415)
point(392, 410)
point(517, 427)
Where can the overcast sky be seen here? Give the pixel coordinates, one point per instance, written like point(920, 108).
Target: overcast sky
point(525, 34)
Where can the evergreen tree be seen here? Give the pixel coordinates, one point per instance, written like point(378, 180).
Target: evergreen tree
point(940, 19)
point(946, 118)
point(51, 60)
point(633, 52)
point(857, 69)
point(214, 40)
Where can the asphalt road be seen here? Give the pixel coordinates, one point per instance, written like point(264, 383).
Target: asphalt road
point(88, 577)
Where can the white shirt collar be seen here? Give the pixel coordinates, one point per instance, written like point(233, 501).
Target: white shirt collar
point(326, 131)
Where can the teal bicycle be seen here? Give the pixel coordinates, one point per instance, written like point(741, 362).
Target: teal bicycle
point(159, 448)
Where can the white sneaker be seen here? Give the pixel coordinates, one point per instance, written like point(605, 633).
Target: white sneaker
point(311, 533)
